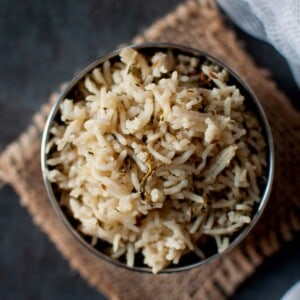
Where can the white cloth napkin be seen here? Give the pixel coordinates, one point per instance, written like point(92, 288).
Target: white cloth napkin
point(293, 293)
point(274, 21)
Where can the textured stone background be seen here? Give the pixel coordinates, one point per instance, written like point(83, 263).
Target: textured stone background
point(43, 43)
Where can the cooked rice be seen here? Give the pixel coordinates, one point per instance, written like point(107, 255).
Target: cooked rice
point(156, 154)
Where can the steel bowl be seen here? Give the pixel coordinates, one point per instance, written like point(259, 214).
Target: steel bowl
point(252, 103)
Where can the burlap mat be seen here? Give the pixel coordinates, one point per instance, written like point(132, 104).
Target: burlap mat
point(198, 25)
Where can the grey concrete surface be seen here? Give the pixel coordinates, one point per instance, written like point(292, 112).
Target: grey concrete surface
point(42, 43)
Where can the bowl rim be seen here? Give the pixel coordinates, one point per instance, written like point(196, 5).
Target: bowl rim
point(262, 120)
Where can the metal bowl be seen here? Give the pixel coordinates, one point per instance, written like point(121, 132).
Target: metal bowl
point(252, 103)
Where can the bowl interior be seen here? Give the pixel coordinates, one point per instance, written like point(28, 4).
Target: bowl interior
point(190, 260)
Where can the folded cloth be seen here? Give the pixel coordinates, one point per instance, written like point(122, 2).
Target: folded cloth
point(293, 293)
point(274, 21)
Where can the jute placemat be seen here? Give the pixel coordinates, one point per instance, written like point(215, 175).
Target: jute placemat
point(197, 24)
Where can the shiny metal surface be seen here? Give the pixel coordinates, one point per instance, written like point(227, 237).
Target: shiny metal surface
point(251, 101)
